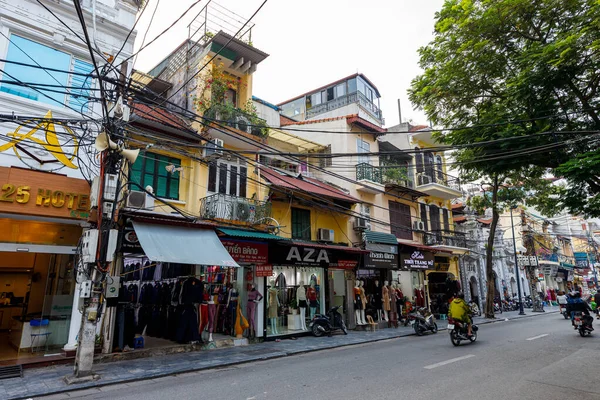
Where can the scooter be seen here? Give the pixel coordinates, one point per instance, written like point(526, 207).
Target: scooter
point(583, 323)
point(424, 321)
point(563, 311)
point(475, 308)
point(459, 331)
point(333, 321)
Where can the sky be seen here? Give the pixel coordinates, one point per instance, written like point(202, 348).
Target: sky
point(314, 42)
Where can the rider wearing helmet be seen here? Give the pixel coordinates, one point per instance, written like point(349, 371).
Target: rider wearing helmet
point(459, 310)
point(577, 304)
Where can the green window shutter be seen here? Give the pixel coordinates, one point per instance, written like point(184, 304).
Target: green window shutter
point(300, 224)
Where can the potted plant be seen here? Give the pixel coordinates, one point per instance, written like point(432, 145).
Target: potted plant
point(294, 306)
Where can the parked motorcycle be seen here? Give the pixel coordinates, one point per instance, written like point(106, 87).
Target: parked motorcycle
point(527, 302)
point(475, 310)
point(329, 323)
point(497, 306)
point(459, 332)
point(424, 321)
point(583, 323)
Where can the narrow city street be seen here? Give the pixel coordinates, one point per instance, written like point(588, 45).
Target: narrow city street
point(532, 358)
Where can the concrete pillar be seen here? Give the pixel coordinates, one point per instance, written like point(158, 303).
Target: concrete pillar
point(75, 323)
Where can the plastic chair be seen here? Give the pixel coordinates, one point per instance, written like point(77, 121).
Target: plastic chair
point(39, 328)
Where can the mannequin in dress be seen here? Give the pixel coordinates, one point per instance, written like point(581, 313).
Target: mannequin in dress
point(393, 298)
point(311, 294)
point(254, 297)
point(363, 299)
point(357, 303)
point(377, 293)
point(212, 310)
point(302, 304)
point(399, 299)
point(385, 300)
point(273, 301)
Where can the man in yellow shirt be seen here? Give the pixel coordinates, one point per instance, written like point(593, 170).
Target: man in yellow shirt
point(459, 310)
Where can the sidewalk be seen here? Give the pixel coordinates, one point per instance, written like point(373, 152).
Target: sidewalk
point(49, 380)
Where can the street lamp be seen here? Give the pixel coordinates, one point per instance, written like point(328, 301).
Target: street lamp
point(521, 312)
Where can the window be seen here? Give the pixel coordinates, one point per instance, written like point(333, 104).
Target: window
point(227, 178)
point(330, 94)
point(419, 161)
point(424, 214)
point(25, 51)
point(315, 99)
point(231, 97)
point(352, 85)
point(340, 90)
point(325, 161)
point(434, 215)
point(400, 220)
point(300, 224)
point(446, 219)
point(363, 147)
point(365, 210)
point(438, 167)
point(150, 169)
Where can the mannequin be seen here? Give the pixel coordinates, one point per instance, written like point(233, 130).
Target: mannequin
point(377, 293)
point(254, 297)
point(273, 301)
point(302, 304)
point(385, 295)
point(357, 303)
point(363, 299)
point(232, 303)
point(311, 294)
point(393, 297)
point(212, 311)
point(399, 299)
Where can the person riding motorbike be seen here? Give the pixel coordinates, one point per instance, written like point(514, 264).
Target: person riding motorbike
point(459, 310)
point(562, 300)
point(577, 304)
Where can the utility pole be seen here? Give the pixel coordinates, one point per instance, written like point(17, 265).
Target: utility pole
point(512, 225)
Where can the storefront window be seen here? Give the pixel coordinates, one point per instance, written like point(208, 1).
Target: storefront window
point(294, 296)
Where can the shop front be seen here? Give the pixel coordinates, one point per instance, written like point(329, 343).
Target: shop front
point(414, 264)
point(179, 285)
point(42, 215)
point(298, 284)
point(443, 284)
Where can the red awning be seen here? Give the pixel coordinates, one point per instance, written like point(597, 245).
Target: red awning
point(306, 185)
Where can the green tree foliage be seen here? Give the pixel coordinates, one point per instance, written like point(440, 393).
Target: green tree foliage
point(524, 75)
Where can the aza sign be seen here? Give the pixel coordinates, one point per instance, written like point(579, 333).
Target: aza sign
point(307, 256)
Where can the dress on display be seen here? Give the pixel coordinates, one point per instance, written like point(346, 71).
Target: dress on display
point(272, 303)
point(385, 292)
point(311, 294)
point(376, 298)
point(358, 305)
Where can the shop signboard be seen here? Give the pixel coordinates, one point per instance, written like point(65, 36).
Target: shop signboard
point(30, 192)
point(417, 260)
point(308, 256)
point(247, 252)
point(129, 240)
point(264, 270)
point(379, 259)
point(581, 260)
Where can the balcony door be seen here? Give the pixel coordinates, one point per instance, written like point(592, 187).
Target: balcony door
point(400, 220)
point(429, 166)
point(226, 177)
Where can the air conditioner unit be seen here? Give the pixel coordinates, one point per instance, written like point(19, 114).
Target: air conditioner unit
point(214, 148)
point(419, 226)
point(243, 123)
point(325, 235)
point(423, 179)
point(242, 211)
point(139, 200)
point(361, 224)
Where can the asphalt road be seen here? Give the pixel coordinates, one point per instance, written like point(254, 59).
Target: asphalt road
point(533, 358)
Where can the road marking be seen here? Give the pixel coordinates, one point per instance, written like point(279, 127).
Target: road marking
point(453, 360)
point(538, 337)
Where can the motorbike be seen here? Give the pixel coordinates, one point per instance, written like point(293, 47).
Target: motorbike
point(563, 311)
point(424, 321)
point(528, 302)
point(326, 324)
point(497, 306)
point(459, 332)
point(583, 323)
point(475, 310)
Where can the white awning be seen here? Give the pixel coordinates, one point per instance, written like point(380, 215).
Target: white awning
point(183, 245)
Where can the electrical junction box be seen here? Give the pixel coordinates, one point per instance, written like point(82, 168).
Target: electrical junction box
point(113, 237)
point(107, 209)
point(94, 192)
point(89, 246)
point(85, 290)
point(111, 183)
point(112, 286)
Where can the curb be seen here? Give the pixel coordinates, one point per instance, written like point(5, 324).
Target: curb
point(271, 356)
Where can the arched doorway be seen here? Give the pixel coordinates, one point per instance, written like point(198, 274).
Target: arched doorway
point(513, 287)
point(474, 289)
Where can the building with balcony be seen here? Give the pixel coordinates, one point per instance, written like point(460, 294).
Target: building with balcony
point(352, 95)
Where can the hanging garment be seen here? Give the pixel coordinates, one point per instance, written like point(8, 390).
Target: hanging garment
point(385, 294)
point(281, 288)
point(187, 331)
point(311, 295)
point(358, 305)
point(376, 298)
point(212, 311)
point(203, 314)
point(273, 303)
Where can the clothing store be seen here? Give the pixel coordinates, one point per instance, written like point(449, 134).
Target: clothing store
point(297, 286)
point(178, 285)
point(376, 276)
point(414, 263)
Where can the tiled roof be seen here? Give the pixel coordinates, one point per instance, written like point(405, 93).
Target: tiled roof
point(306, 185)
point(160, 115)
point(418, 128)
point(314, 121)
point(283, 120)
point(365, 124)
point(457, 206)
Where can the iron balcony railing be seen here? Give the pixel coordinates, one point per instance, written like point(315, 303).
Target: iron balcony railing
point(383, 175)
point(445, 238)
point(439, 177)
point(238, 119)
point(235, 209)
point(350, 98)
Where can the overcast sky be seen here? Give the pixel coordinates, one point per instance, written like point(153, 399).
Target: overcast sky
point(314, 42)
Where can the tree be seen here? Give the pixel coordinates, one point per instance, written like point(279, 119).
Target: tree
point(524, 75)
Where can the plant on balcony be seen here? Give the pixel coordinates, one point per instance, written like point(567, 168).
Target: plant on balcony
point(396, 175)
point(211, 101)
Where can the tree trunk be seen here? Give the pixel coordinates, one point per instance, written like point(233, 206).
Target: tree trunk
point(489, 253)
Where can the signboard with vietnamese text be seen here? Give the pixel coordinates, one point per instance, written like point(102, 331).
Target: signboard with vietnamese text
point(263, 270)
point(417, 260)
point(247, 252)
point(378, 259)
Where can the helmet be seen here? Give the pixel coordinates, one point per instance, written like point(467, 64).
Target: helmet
point(460, 295)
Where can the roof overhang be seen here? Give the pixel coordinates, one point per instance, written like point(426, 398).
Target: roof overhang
point(302, 144)
point(245, 57)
